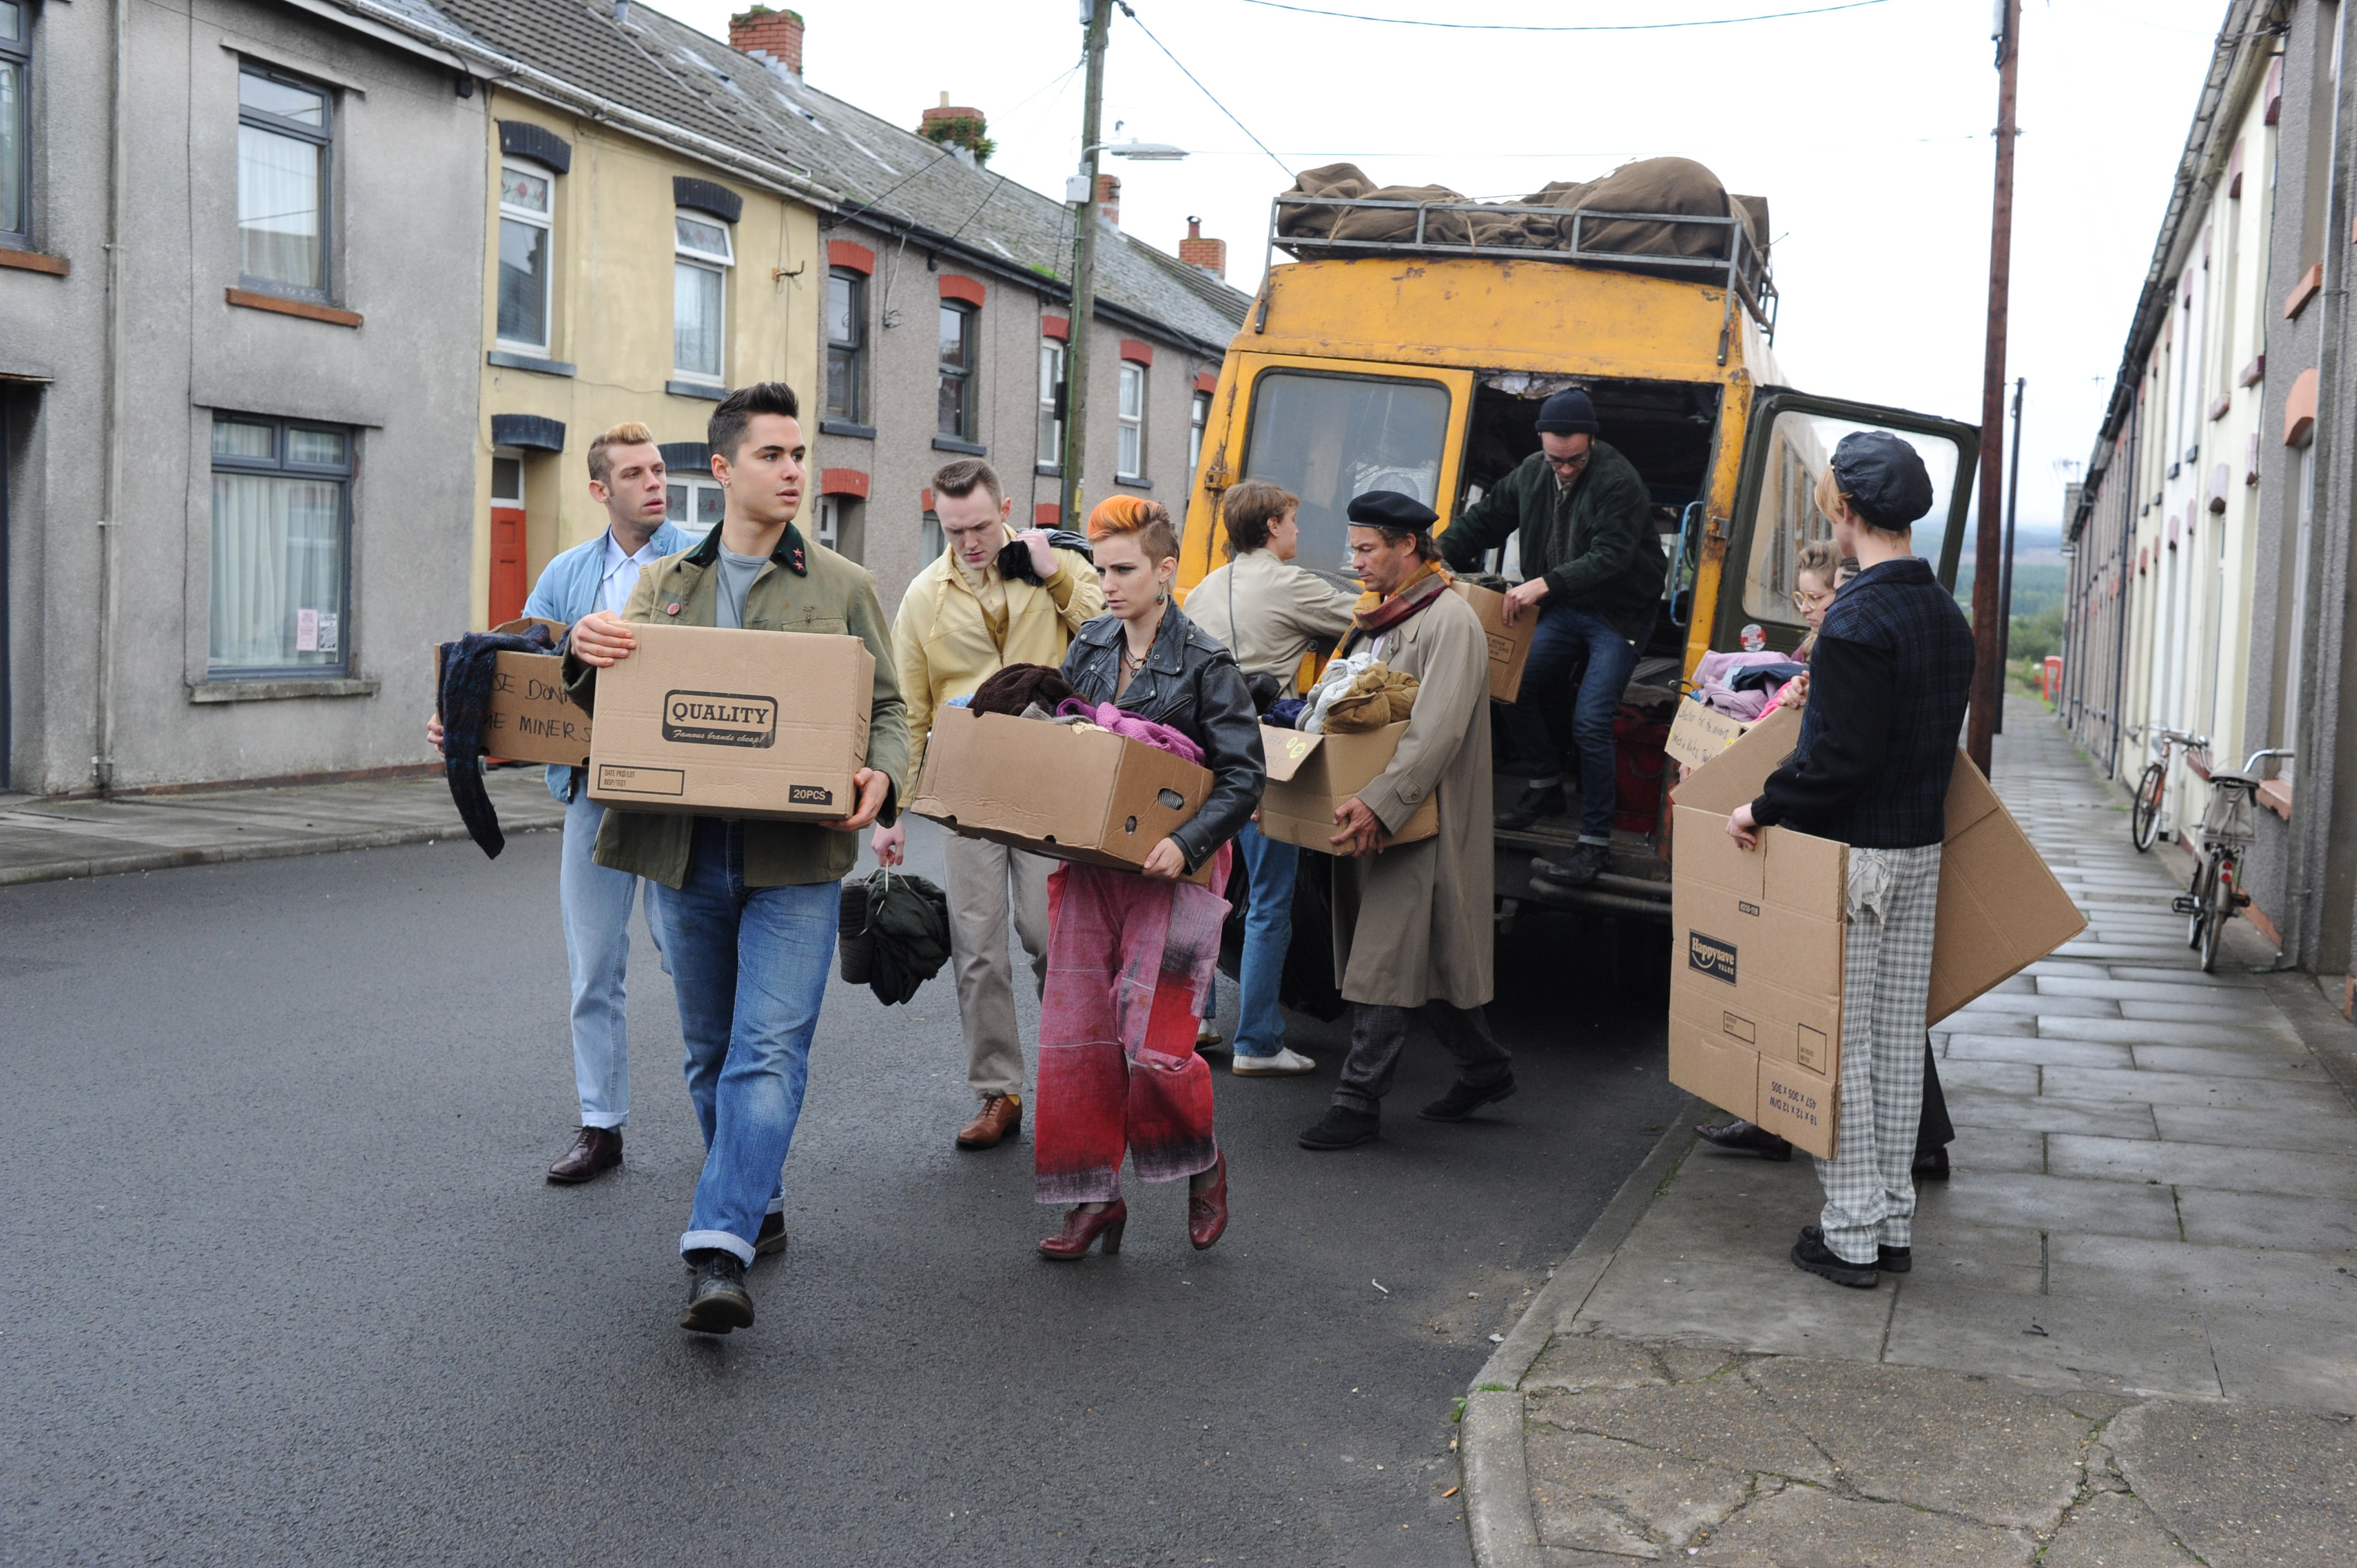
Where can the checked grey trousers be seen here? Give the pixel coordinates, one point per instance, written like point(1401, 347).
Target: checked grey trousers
point(1894, 896)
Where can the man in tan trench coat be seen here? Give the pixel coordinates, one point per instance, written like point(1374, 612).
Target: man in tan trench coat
point(1411, 922)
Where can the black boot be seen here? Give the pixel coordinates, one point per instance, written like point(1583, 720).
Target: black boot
point(1746, 1137)
point(1537, 801)
point(1811, 1254)
point(1342, 1128)
point(1581, 867)
point(718, 1300)
point(1464, 1098)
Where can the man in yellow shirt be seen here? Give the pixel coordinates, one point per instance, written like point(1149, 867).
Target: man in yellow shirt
point(960, 624)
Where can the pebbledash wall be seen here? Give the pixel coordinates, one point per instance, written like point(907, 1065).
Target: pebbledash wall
point(269, 604)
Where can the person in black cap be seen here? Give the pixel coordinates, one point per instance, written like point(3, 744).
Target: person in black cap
point(1592, 569)
point(1889, 683)
point(1413, 921)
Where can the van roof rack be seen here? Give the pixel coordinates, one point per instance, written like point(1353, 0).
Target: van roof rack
point(1559, 234)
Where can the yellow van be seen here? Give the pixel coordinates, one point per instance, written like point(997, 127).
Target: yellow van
point(1418, 362)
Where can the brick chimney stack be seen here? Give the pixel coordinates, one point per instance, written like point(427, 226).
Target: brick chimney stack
point(1212, 255)
point(778, 35)
point(1109, 199)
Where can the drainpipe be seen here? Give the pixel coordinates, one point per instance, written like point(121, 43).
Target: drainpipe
point(2127, 592)
point(118, 174)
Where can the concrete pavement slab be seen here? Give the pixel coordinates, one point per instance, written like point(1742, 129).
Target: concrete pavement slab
point(1803, 1525)
point(2291, 1067)
point(2178, 972)
point(2133, 989)
point(2216, 1280)
point(2121, 1160)
point(2315, 1132)
point(2019, 1024)
point(2008, 1077)
point(2035, 1004)
point(1995, 1149)
point(2266, 1219)
point(2244, 1487)
point(2115, 1530)
point(1727, 1420)
point(1594, 1494)
point(2146, 1031)
point(2038, 1049)
point(2051, 1203)
point(1971, 1107)
point(2216, 1090)
point(1992, 1257)
point(2106, 1347)
point(2229, 1013)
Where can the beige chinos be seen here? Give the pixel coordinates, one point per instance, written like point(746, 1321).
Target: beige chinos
point(981, 876)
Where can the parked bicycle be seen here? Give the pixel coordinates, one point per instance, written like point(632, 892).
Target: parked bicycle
point(2144, 811)
point(2228, 827)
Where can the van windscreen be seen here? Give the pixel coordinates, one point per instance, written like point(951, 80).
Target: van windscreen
point(1328, 438)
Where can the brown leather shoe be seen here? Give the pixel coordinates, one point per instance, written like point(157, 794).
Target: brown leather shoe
point(594, 1151)
point(1000, 1118)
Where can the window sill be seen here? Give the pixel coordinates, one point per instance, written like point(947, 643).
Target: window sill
point(695, 389)
point(1049, 470)
point(844, 427)
point(951, 444)
point(1133, 481)
point(507, 360)
point(267, 691)
point(279, 305)
point(34, 261)
point(2276, 796)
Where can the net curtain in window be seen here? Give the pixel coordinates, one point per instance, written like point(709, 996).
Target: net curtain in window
point(277, 572)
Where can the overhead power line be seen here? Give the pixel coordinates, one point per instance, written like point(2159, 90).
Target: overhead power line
point(1206, 91)
point(1541, 27)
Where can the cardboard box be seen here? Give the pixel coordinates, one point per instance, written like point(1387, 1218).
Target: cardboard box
point(1760, 935)
point(1311, 775)
point(531, 719)
point(1510, 646)
point(1084, 795)
point(1699, 733)
point(761, 725)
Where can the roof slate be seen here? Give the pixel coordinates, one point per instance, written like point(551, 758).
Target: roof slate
point(886, 175)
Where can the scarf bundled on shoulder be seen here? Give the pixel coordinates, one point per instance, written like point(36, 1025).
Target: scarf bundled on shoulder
point(1378, 614)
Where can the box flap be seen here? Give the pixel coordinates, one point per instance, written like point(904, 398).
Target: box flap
point(1699, 733)
point(1970, 798)
point(1733, 777)
point(557, 628)
point(1287, 750)
point(2000, 908)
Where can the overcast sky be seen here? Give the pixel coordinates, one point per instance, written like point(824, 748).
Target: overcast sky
point(1867, 130)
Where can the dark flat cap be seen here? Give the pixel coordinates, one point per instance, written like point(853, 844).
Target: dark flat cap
point(1568, 413)
point(1389, 509)
point(1884, 478)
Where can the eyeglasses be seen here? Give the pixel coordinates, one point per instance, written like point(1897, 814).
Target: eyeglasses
point(1568, 465)
point(1804, 600)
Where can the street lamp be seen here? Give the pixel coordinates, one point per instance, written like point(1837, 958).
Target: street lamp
point(1077, 187)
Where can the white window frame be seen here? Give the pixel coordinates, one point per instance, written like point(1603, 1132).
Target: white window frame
point(828, 521)
point(545, 221)
point(692, 485)
point(1130, 452)
point(1051, 426)
point(1199, 420)
point(687, 256)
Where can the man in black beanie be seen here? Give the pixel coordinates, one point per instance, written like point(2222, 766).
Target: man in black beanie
point(1592, 569)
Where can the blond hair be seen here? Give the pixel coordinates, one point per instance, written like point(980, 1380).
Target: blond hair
point(630, 432)
point(1831, 498)
point(1821, 556)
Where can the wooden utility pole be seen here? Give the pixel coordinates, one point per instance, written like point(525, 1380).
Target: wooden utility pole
point(2005, 587)
point(1075, 455)
point(1988, 678)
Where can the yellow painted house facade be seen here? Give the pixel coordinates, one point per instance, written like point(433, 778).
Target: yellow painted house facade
point(624, 278)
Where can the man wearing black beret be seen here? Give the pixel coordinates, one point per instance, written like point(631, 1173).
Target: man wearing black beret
point(1593, 571)
point(1888, 686)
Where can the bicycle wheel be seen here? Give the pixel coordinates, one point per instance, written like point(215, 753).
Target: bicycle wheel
point(2205, 872)
point(2144, 813)
point(2220, 910)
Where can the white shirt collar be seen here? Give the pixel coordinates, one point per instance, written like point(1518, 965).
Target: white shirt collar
point(615, 557)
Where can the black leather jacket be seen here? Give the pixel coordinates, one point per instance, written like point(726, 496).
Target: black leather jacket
point(1192, 685)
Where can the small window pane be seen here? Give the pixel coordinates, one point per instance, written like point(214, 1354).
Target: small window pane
point(528, 191)
point(233, 438)
point(316, 449)
point(1133, 392)
point(282, 98)
point(956, 337)
point(843, 309)
point(1133, 453)
point(695, 320)
point(710, 239)
point(277, 571)
point(1052, 377)
point(710, 500)
point(843, 384)
point(523, 283)
point(507, 480)
point(675, 503)
point(13, 217)
point(278, 207)
point(11, 22)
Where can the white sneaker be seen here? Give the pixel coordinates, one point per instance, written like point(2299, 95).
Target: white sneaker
point(1287, 1063)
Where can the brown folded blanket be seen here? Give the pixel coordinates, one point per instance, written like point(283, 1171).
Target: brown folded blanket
point(1018, 686)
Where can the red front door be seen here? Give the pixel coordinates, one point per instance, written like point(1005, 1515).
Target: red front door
point(508, 581)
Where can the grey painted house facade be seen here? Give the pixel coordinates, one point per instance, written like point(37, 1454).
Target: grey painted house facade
point(237, 504)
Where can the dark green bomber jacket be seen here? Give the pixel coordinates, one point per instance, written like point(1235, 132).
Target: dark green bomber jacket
point(1603, 557)
point(806, 588)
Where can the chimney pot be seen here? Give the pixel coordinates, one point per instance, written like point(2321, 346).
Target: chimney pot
point(776, 36)
point(1212, 255)
point(1194, 228)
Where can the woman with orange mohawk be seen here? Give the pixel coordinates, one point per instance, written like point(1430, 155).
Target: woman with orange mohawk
point(1130, 956)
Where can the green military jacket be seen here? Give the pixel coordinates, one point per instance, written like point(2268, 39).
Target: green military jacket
point(1595, 543)
point(804, 588)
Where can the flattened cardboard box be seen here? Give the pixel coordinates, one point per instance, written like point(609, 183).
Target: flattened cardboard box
point(2000, 910)
point(531, 719)
point(1510, 646)
point(699, 721)
point(1311, 775)
point(1084, 795)
point(1699, 733)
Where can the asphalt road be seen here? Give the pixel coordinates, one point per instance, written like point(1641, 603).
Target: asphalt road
point(280, 1280)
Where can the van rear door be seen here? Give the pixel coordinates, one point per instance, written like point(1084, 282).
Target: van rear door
point(1791, 437)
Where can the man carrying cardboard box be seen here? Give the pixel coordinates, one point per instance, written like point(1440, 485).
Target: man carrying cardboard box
point(1411, 921)
point(749, 914)
point(1889, 682)
point(628, 479)
point(959, 623)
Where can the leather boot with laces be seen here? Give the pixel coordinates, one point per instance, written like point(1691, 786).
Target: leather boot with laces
point(718, 1300)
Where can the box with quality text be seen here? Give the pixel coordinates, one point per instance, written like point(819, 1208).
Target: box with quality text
point(1510, 646)
point(711, 722)
point(1310, 775)
point(1073, 792)
point(531, 719)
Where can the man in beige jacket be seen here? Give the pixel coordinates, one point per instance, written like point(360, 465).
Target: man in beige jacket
point(961, 623)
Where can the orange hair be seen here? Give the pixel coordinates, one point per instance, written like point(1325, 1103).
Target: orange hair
point(1150, 521)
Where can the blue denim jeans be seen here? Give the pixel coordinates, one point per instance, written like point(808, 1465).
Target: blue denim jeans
point(595, 901)
point(1544, 740)
point(750, 965)
point(1268, 867)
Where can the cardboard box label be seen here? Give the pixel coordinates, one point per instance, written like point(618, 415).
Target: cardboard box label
point(1510, 646)
point(1799, 1106)
point(1711, 956)
point(642, 780)
point(1699, 733)
point(531, 719)
point(720, 719)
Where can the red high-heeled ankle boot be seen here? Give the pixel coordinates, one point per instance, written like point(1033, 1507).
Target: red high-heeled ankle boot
point(1207, 1211)
point(1081, 1229)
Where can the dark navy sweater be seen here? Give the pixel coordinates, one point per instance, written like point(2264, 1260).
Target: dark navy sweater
point(1888, 687)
